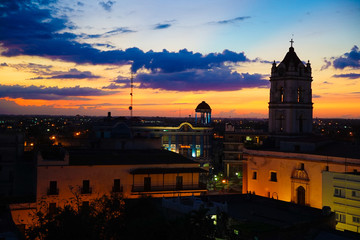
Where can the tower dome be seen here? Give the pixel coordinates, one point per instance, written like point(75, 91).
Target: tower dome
point(203, 106)
point(205, 113)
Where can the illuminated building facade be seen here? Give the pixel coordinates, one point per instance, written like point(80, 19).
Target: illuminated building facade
point(341, 192)
point(290, 106)
point(89, 174)
point(190, 141)
point(293, 177)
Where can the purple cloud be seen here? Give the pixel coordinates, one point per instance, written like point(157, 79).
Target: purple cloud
point(350, 59)
point(217, 79)
point(347, 75)
point(112, 86)
point(326, 65)
point(72, 74)
point(49, 93)
point(31, 30)
point(116, 31)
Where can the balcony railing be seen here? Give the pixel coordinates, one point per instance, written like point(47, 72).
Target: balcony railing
point(53, 191)
point(200, 186)
point(86, 190)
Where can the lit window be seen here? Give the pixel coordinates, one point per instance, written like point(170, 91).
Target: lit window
point(273, 176)
point(282, 94)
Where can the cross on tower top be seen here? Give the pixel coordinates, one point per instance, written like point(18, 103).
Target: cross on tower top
point(291, 41)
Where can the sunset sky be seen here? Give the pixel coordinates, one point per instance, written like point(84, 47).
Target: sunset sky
point(70, 57)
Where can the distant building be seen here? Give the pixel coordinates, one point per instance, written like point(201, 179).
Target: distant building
point(190, 141)
point(341, 192)
point(16, 166)
point(205, 114)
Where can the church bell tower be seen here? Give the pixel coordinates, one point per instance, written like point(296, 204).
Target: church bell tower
point(290, 106)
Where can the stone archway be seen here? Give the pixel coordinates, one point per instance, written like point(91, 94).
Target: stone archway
point(300, 195)
point(300, 192)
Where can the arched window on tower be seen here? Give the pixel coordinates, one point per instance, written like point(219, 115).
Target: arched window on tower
point(281, 94)
point(299, 95)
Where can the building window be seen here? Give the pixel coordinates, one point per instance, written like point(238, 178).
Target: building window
point(281, 94)
point(86, 187)
point(273, 176)
point(117, 187)
point(302, 166)
point(299, 95)
point(254, 175)
point(339, 193)
point(340, 217)
point(356, 219)
point(53, 190)
point(179, 182)
point(355, 194)
point(147, 183)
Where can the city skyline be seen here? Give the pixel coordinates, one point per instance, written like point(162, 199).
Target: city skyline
point(68, 58)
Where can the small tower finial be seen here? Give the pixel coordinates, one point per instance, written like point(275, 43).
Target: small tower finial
point(291, 41)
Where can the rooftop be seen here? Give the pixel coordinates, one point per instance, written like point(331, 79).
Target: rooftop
point(126, 157)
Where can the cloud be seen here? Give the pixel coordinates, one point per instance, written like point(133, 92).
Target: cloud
point(71, 74)
point(326, 65)
point(217, 79)
point(10, 107)
point(4, 64)
point(326, 82)
point(233, 20)
point(162, 26)
point(107, 5)
point(112, 86)
point(350, 59)
point(116, 31)
point(31, 30)
point(348, 75)
point(316, 96)
point(49, 93)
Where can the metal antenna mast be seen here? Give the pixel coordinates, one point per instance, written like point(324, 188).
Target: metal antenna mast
point(131, 95)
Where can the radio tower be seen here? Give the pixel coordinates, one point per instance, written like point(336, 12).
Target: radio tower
point(131, 96)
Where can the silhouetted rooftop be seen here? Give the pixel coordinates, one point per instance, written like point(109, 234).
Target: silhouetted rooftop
point(291, 58)
point(126, 157)
point(203, 106)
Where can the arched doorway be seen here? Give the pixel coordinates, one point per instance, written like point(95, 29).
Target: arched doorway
point(300, 192)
